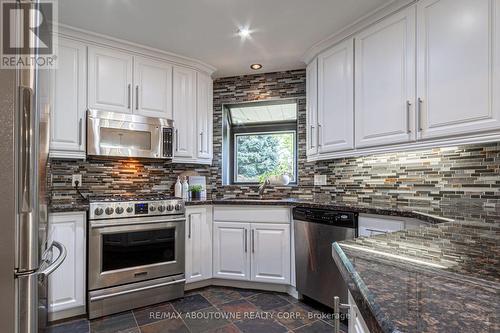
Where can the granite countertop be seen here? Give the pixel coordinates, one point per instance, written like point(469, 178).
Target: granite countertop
point(441, 278)
point(427, 213)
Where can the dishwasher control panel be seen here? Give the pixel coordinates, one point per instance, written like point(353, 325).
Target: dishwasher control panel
point(326, 216)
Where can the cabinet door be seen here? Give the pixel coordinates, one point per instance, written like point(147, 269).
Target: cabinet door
point(336, 98)
point(385, 81)
point(231, 250)
point(67, 289)
point(184, 111)
point(110, 80)
point(204, 115)
point(458, 61)
point(270, 247)
point(198, 244)
point(312, 108)
point(152, 88)
point(67, 137)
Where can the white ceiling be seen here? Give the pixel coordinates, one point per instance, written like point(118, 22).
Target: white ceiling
point(206, 29)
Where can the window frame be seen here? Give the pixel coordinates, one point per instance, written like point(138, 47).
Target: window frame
point(261, 128)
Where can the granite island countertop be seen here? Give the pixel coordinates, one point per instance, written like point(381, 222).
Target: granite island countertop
point(441, 278)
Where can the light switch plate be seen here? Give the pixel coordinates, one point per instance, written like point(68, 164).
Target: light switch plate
point(75, 178)
point(319, 180)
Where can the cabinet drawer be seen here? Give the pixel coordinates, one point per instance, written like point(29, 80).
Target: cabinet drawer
point(252, 214)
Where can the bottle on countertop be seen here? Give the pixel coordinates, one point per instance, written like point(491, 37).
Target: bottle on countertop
point(178, 188)
point(185, 189)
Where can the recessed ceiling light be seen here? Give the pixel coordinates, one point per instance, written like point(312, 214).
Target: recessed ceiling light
point(255, 66)
point(244, 32)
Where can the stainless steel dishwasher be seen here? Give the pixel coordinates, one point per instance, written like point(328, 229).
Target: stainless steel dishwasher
point(317, 275)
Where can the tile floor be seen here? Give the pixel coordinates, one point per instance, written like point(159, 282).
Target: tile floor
point(212, 310)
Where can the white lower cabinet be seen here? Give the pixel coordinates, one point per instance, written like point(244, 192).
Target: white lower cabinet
point(270, 252)
point(198, 244)
point(252, 249)
point(356, 321)
point(372, 225)
point(67, 286)
point(231, 255)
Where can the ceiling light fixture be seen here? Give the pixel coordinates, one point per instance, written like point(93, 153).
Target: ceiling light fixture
point(255, 66)
point(244, 33)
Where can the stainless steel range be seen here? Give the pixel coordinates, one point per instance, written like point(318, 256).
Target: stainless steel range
point(136, 252)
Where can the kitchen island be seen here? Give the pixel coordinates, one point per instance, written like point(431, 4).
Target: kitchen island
point(441, 278)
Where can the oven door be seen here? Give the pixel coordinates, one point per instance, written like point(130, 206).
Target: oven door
point(135, 249)
point(112, 134)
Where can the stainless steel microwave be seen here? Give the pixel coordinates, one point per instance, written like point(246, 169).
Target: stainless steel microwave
point(111, 134)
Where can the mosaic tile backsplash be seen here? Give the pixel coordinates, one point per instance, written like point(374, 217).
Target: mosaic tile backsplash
point(468, 175)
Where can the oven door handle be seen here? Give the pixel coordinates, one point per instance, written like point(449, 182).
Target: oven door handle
point(106, 223)
point(124, 292)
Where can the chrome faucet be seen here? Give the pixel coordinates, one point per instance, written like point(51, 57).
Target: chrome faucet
point(263, 187)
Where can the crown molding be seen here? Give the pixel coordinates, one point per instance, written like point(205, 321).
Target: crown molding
point(93, 38)
point(347, 32)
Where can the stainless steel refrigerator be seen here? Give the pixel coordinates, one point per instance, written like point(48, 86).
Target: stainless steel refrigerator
point(26, 258)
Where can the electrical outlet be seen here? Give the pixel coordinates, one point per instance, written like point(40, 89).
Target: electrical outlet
point(319, 180)
point(76, 178)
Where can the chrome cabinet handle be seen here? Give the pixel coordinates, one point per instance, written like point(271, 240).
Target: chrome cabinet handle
point(176, 140)
point(336, 313)
point(62, 255)
point(377, 230)
point(80, 132)
point(408, 113)
point(419, 112)
point(27, 152)
point(246, 240)
point(128, 96)
point(201, 142)
point(320, 130)
point(137, 97)
point(253, 241)
point(189, 227)
point(311, 137)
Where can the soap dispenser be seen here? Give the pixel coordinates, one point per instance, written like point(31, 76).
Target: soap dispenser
point(178, 188)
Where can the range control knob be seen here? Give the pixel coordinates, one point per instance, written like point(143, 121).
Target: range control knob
point(130, 209)
point(98, 211)
point(170, 207)
point(109, 210)
point(178, 207)
point(152, 208)
point(119, 210)
point(161, 208)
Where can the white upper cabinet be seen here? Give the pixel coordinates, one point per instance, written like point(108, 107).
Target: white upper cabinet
point(152, 88)
point(67, 135)
point(458, 64)
point(336, 98)
point(198, 244)
point(184, 111)
point(204, 116)
point(109, 80)
point(270, 245)
point(385, 81)
point(312, 108)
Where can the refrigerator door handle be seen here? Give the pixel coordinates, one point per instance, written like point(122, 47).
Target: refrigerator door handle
point(56, 263)
point(27, 151)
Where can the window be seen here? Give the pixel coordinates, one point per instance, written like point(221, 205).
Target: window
point(260, 140)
